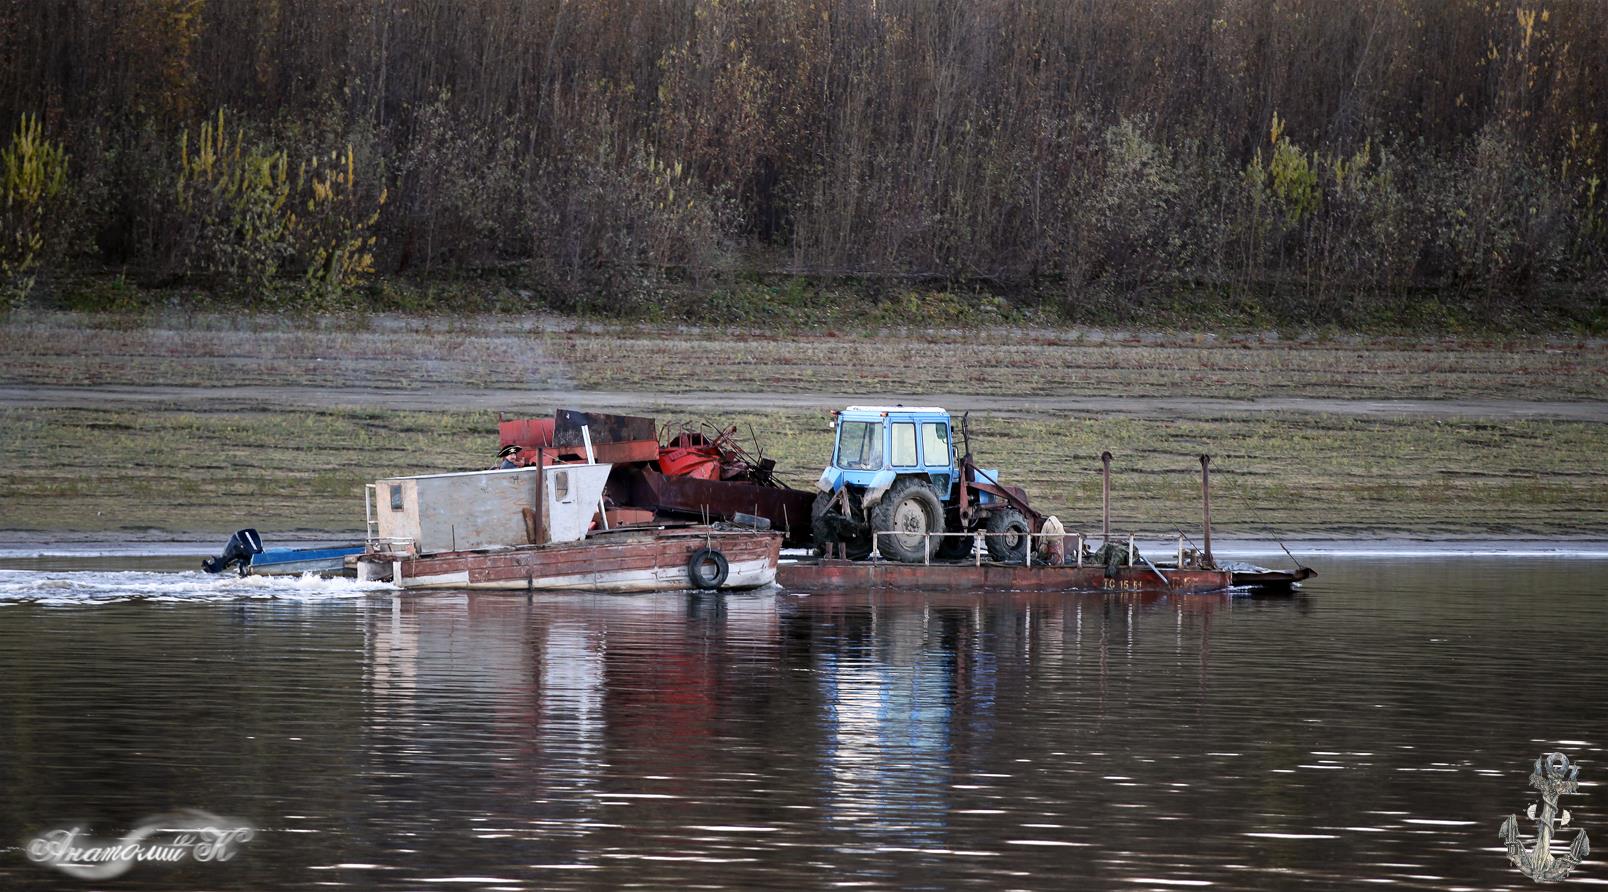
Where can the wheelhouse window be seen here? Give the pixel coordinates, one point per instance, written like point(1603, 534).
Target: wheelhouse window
point(904, 445)
point(859, 445)
point(935, 444)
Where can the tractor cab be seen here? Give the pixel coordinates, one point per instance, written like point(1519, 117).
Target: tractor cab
point(895, 481)
point(875, 445)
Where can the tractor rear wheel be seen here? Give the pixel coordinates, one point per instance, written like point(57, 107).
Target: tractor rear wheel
point(908, 511)
point(1008, 536)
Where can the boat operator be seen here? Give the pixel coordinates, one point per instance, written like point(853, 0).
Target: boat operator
point(506, 458)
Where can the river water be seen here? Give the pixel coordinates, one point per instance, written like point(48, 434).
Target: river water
point(1373, 728)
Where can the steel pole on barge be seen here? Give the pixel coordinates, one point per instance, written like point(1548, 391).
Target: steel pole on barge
point(541, 496)
point(1105, 498)
point(1206, 503)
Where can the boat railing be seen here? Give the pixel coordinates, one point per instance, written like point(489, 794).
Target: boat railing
point(980, 539)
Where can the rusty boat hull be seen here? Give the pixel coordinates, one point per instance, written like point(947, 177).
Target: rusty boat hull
point(824, 575)
point(623, 561)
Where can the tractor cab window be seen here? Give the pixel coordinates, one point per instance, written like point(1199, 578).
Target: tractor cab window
point(859, 446)
point(935, 444)
point(904, 445)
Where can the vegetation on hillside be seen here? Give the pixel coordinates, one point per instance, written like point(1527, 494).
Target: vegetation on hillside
point(1300, 160)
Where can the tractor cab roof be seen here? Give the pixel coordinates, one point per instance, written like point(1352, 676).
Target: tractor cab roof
point(896, 410)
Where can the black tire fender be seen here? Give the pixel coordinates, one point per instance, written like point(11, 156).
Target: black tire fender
point(699, 565)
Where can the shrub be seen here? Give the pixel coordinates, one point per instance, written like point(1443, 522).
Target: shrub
point(616, 222)
point(33, 186)
point(463, 182)
point(231, 207)
point(335, 227)
point(1501, 216)
point(1130, 219)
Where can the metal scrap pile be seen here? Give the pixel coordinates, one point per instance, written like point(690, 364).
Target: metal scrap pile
point(709, 453)
point(698, 472)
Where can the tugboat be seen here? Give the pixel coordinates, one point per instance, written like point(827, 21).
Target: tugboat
point(547, 527)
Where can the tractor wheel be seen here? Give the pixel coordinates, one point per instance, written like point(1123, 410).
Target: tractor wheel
point(956, 548)
point(830, 528)
point(910, 510)
point(1010, 548)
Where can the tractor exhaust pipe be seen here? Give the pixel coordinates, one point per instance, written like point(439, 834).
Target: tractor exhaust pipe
point(1206, 503)
point(1105, 498)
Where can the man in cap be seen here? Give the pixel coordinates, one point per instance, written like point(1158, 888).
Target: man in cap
point(508, 458)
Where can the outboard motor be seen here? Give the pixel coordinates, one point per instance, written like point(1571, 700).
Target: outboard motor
point(242, 545)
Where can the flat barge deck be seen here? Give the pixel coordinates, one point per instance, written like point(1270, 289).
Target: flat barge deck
point(825, 575)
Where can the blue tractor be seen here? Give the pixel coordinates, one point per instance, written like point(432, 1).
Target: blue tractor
point(895, 471)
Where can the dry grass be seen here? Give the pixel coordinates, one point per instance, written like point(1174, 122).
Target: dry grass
point(1284, 474)
point(170, 469)
point(422, 353)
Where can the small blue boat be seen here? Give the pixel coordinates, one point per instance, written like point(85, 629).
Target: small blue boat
point(327, 560)
point(245, 554)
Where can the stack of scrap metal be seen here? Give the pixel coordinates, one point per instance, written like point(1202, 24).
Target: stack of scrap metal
point(695, 475)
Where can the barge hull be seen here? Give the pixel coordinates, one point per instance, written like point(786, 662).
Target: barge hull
point(612, 562)
point(838, 575)
point(742, 575)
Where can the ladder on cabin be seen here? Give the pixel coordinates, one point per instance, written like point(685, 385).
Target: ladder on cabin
point(371, 520)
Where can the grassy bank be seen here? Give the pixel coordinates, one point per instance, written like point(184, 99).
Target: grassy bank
point(185, 465)
point(1283, 474)
point(561, 353)
point(803, 303)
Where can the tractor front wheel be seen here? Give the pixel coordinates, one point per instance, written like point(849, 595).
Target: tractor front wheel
point(1008, 536)
point(908, 512)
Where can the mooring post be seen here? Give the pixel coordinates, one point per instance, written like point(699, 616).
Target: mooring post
point(1105, 498)
point(1206, 501)
point(541, 495)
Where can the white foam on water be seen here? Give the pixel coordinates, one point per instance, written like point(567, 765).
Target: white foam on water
point(95, 550)
point(76, 588)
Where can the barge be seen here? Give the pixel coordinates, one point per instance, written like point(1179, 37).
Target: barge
point(839, 575)
point(547, 526)
point(621, 561)
point(595, 502)
point(828, 575)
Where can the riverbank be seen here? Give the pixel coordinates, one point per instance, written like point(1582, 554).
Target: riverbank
point(204, 424)
point(1281, 474)
point(558, 353)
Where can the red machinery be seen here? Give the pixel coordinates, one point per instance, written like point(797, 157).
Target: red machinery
point(700, 472)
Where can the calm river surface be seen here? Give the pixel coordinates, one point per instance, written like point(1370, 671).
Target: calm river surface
point(1376, 727)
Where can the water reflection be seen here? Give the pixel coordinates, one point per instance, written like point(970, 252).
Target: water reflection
point(768, 740)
